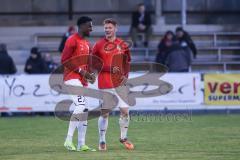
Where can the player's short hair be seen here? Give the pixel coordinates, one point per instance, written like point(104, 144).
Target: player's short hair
point(140, 4)
point(83, 19)
point(111, 21)
point(178, 29)
point(35, 50)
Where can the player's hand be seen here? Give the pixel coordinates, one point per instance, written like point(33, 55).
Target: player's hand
point(93, 78)
point(90, 77)
point(116, 70)
point(124, 80)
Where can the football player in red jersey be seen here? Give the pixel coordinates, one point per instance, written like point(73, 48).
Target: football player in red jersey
point(77, 74)
point(115, 55)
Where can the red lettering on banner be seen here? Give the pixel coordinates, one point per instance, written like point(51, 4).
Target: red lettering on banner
point(225, 88)
point(236, 85)
point(212, 88)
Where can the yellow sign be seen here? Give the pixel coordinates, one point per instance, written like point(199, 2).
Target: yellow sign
point(222, 89)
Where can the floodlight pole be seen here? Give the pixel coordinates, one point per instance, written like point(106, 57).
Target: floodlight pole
point(70, 9)
point(158, 8)
point(184, 13)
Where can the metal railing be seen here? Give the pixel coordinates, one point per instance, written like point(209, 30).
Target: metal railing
point(149, 54)
point(213, 42)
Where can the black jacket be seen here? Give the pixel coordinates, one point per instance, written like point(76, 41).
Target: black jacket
point(188, 40)
point(178, 58)
point(7, 65)
point(162, 52)
point(135, 19)
point(62, 43)
point(38, 65)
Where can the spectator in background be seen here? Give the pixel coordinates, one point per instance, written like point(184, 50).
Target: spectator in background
point(7, 65)
point(35, 63)
point(51, 65)
point(164, 47)
point(178, 58)
point(141, 22)
point(71, 30)
point(184, 40)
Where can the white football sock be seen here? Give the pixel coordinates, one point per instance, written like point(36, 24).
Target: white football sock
point(102, 128)
point(71, 129)
point(74, 122)
point(123, 123)
point(82, 129)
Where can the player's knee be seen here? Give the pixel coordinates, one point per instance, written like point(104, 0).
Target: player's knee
point(124, 113)
point(104, 113)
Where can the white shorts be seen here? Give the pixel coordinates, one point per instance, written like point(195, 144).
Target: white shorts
point(121, 102)
point(78, 100)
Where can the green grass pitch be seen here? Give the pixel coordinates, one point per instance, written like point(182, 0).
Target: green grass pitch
point(208, 137)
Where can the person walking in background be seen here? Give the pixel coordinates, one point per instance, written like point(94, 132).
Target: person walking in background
point(184, 40)
point(164, 46)
point(141, 22)
point(178, 58)
point(35, 64)
point(7, 65)
point(71, 31)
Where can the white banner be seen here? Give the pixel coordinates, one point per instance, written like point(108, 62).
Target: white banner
point(1, 94)
point(33, 93)
point(29, 93)
point(186, 91)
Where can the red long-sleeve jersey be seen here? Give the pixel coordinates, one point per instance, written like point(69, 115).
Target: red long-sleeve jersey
point(113, 54)
point(74, 48)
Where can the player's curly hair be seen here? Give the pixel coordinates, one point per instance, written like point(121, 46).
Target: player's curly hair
point(83, 19)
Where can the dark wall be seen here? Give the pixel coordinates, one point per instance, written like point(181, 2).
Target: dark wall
point(199, 11)
point(203, 11)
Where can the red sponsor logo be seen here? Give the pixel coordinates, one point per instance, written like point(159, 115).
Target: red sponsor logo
point(224, 87)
